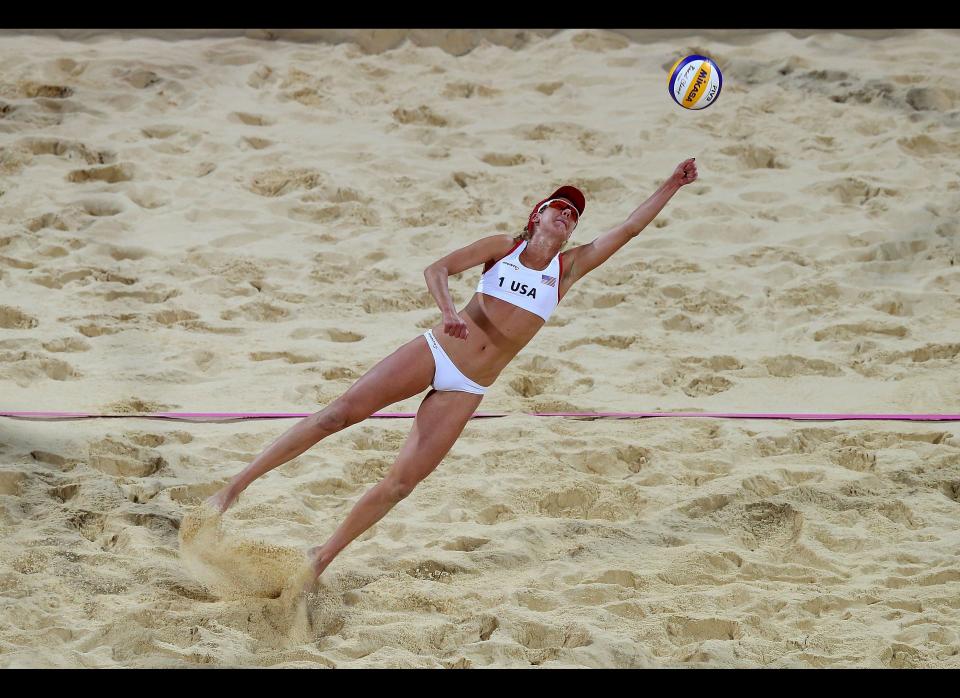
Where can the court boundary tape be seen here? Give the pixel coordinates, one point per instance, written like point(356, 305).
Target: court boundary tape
point(239, 416)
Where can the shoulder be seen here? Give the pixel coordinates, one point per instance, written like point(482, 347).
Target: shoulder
point(508, 244)
point(499, 246)
point(568, 259)
point(569, 255)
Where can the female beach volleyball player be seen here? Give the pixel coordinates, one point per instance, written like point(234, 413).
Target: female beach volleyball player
point(523, 280)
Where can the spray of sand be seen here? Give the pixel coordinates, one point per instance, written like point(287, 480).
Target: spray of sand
point(268, 581)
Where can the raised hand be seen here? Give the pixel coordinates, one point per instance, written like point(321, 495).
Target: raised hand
point(686, 172)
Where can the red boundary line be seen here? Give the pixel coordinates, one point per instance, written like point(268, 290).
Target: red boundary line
point(236, 416)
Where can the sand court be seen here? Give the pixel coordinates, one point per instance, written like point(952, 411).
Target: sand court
point(227, 224)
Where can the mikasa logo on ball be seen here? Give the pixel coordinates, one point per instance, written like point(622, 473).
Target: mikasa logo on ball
point(697, 84)
point(694, 82)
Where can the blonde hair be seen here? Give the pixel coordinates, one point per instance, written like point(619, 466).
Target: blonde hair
point(523, 235)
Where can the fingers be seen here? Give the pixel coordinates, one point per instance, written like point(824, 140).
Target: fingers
point(687, 170)
point(456, 329)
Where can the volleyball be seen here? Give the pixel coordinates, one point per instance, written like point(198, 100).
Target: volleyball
point(695, 82)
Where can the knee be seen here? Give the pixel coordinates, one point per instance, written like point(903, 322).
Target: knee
point(334, 418)
point(397, 490)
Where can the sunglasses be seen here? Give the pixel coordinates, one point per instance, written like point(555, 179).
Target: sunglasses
point(561, 205)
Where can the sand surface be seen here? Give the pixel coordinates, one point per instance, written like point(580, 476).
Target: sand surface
point(227, 224)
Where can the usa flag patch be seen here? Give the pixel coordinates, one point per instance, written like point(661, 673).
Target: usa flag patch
point(548, 280)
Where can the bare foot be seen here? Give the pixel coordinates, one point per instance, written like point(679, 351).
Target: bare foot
point(222, 500)
point(316, 563)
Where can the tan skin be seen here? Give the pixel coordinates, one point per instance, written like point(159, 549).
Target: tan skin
point(485, 336)
point(481, 339)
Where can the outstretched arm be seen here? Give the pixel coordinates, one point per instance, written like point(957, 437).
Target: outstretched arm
point(586, 258)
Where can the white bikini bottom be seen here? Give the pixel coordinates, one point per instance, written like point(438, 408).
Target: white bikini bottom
point(447, 375)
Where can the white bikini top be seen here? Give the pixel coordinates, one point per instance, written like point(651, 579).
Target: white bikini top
point(531, 289)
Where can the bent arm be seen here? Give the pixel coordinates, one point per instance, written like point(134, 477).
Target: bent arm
point(437, 283)
point(479, 252)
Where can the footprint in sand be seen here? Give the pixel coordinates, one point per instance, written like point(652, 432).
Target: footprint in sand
point(707, 385)
point(464, 544)
point(464, 180)
point(682, 323)
point(849, 190)
point(797, 442)
point(12, 483)
point(928, 352)
point(754, 157)
point(261, 76)
point(788, 366)
point(15, 319)
point(536, 635)
point(333, 335)
point(574, 502)
point(62, 494)
point(930, 98)
point(139, 78)
point(286, 356)
point(768, 524)
point(599, 41)
point(494, 514)
point(70, 219)
point(610, 340)
point(251, 119)
point(32, 90)
point(119, 458)
point(548, 88)
point(249, 142)
point(57, 345)
point(111, 174)
point(30, 367)
point(535, 600)
point(466, 90)
point(160, 131)
point(82, 274)
point(71, 150)
point(923, 146)
point(421, 116)
point(702, 383)
point(763, 197)
point(277, 182)
point(683, 631)
point(55, 460)
point(587, 140)
point(858, 331)
point(100, 208)
point(504, 159)
point(397, 301)
point(434, 570)
point(531, 386)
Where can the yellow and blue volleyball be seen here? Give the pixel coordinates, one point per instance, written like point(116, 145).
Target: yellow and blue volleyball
point(695, 82)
